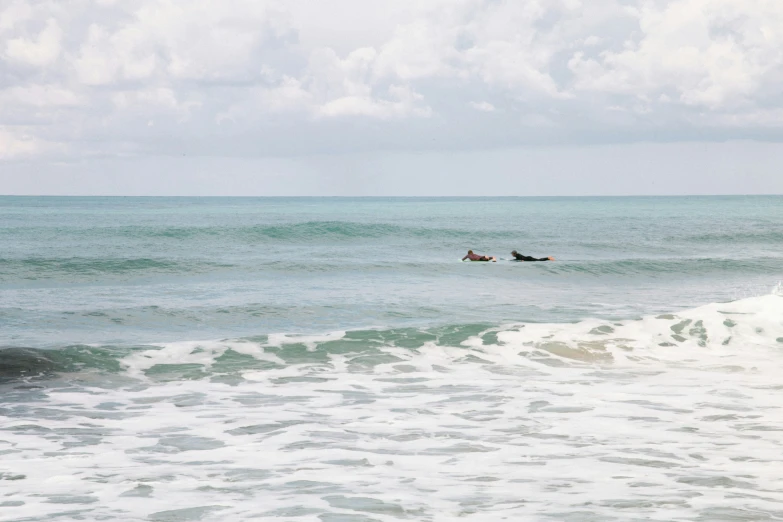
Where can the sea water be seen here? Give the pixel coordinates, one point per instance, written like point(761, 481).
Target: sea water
point(331, 359)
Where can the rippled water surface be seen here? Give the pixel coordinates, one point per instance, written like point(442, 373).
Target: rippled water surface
point(177, 359)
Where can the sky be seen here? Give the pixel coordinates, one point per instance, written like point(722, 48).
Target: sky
point(383, 98)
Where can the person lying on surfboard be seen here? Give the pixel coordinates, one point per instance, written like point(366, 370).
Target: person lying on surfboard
point(476, 257)
point(520, 257)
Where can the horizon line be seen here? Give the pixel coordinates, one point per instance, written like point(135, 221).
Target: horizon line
point(390, 196)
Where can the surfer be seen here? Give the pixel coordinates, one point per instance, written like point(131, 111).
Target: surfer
point(476, 257)
point(520, 257)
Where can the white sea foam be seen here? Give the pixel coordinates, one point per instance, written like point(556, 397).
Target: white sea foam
point(673, 417)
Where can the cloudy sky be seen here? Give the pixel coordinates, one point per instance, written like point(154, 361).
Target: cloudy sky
point(391, 97)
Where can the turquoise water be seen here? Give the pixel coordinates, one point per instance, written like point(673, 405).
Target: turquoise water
point(119, 270)
point(333, 359)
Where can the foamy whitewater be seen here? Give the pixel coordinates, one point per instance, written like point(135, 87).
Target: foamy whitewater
point(180, 359)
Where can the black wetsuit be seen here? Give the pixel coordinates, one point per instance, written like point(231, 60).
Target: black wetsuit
point(520, 257)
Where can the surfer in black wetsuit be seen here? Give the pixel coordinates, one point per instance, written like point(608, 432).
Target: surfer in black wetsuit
point(520, 257)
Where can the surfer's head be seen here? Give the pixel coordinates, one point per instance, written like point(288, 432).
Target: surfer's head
point(470, 251)
point(513, 252)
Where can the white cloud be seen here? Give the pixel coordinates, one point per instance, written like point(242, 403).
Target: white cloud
point(209, 41)
point(213, 40)
point(713, 53)
point(497, 43)
point(420, 49)
point(287, 95)
point(15, 144)
point(591, 41)
point(39, 51)
point(13, 14)
point(157, 99)
point(41, 96)
point(592, 70)
point(105, 57)
point(348, 87)
point(401, 102)
point(483, 106)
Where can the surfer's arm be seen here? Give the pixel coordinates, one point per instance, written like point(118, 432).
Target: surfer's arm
point(464, 258)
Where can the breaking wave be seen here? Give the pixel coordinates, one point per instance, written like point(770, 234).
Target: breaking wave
point(729, 327)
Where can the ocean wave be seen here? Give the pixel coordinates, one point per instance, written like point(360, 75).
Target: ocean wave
point(661, 267)
point(33, 268)
point(88, 269)
point(762, 236)
point(728, 327)
point(345, 230)
point(34, 364)
point(284, 232)
point(665, 267)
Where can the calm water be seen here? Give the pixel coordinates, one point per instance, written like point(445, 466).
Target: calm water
point(333, 359)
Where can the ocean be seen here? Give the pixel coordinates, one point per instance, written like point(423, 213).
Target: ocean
point(333, 359)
